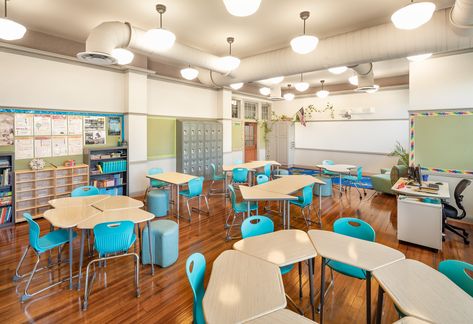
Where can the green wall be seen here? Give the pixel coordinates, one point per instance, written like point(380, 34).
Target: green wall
point(161, 137)
point(237, 136)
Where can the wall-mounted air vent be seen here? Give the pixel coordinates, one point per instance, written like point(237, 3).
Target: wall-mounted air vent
point(96, 58)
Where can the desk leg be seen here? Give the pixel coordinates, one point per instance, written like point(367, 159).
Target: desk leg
point(150, 249)
point(283, 214)
point(320, 205)
point(249, 208)
point(368, 297)
point(340, 185)
point(379, 307)
point(81, 257)
point(288, 215)
point(177, 203)
point(311, 286)
point(70, 257)
point(322, 290)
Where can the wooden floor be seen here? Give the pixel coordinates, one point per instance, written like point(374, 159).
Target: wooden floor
point(167, 298)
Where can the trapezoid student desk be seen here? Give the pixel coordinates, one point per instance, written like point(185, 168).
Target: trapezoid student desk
point(251, 166)
point(339, 169)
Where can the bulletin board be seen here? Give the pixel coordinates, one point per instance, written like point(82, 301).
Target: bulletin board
point(56, 136)
point(161, 137)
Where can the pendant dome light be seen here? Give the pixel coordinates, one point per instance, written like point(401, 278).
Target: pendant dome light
point(322, 93)
point(236, 86)
point(353, 80)
point(159, 38)
point(229, 62)
point(304, 44)
point(301, 86)
point(242, 8)
point(9, 29)
point(123, 56)
point(289, 95)
point(413, 15)
point(265, 91)
point(189, 73)
point(337, 69)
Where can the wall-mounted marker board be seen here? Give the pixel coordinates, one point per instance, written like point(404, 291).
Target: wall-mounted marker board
point(364, 136)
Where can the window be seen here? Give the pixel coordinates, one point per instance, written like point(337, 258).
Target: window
point(236, 105)
point(265, 111)
point(251, 109)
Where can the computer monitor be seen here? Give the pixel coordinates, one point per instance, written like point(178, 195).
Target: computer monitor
point(418, 175)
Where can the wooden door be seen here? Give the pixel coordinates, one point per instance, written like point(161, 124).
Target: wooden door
point(251, 139)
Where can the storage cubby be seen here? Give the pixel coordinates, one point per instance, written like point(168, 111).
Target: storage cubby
point(7, 189)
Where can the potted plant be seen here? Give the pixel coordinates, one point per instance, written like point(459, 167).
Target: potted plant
point(402, 154)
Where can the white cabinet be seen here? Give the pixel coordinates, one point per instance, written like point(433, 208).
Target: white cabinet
point(419, 222)
point(280, 144)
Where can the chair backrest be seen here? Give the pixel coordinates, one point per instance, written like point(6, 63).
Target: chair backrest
point(85, 191)
point(261, 178)
point(307, 195)
point(152, 171)
point(267, 170)
point(256, 225)
point(34, 231)
point(240, 175)
point(359, 173)
point(195, 186)
point(354, 227)
point(461, 186)
point(232, 196)
point(195, 270)
point(455, 270)
point(214, 170)
point(328, 162)
point(113, 237)
point(281, 172)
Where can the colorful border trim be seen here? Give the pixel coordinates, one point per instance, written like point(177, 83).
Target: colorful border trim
point(412, 138)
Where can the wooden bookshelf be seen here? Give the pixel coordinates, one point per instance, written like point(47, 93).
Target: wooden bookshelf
point(34, 188)
point(7, 189)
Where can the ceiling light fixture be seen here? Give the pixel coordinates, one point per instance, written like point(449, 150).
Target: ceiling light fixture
point(265, 91)
point(304, 44)
point(9, 29)
point(420, 57)
point(353, 80)
point(160, 39)
point(322, 93)
point(301, 86)
point(229, 62)
point(413, 15)
point(242, 8)
point(123, 56)
point(236, 86)
point(189, 73)
point(373, 90)
point(338, 69)
point(289, 95)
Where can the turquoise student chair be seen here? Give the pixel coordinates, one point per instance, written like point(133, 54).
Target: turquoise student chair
point(215, 177)
point(259, 225)
point(240, 176)
point(238, 208)
point(356, 180)
point(266, 171)
point(280, 172)
point(455, 270)
point(112, 240)
point(85, 191)
point(304, 202)
point(153, 183)
point(195, 270)
point(261, 178)
point(328, 173)
point(40, 245)
point(194, 190)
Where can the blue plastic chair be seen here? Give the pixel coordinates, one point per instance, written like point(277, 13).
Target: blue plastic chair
point(153, 183)
point(85, 191)
point(261, 178)
point(215, 177)
point(40, 245)
point(238, 208)
point(304, 202)
point(280, 172)
point(356, 180)
point(455, 270)
point(195, 270)
point(194, 190)
point(266, 171)
point(329, 173)
point(240, 176)
point(113, 240)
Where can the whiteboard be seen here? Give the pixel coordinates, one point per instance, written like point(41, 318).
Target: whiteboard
point(368, 136)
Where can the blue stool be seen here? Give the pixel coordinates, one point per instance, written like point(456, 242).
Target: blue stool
point(164, 242)
point(158, 202)
point(326, 188)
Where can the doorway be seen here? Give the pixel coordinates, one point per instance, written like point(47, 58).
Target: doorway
point(251, 140)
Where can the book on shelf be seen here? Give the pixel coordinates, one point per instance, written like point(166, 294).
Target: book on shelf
point(5, 177)
point(4, 163)
point(5, 214)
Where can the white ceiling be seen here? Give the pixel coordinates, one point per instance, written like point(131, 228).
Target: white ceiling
point(205, 24)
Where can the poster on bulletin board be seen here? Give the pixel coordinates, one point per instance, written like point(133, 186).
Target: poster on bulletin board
point(74, 125)
point(59, 124)
point(23, 125)
point(59, 145)
point(24, 148)
point(42, 147)
point(42, 125)
point(94, 130)
point(6, 129)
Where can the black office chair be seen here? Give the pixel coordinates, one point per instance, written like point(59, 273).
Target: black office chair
point(449, 211)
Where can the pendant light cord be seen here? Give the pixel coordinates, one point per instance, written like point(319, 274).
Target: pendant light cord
point(5, 12)
point(161, 20)
point(304, 27)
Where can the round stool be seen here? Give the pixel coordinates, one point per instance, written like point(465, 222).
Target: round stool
point(158, 202)
point(326, 190)
point(164, 243)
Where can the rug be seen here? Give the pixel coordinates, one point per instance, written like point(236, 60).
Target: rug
point(364, 183)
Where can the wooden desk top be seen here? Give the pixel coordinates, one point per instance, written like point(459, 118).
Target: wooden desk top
point(77, 201)
point(255, 194)
point(175, 178)
point(401, 188)
point(363, 254)
point(70, 216)
point(281, 247)
point(337, 168)
point(118, 203)
point(421, 291)
point(249, 165)
point(134, 215)
point(242, 288)
point(282, 316)
point(288, 184)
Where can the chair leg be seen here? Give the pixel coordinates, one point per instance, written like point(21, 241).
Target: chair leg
point(17, 275)
point(85, 304)
point(27, 295)
point(229, 237)
point(207, 204)
point(137, 274)
point(331, 284)
point(454, 230)
point(188, 209)
point(459, 228)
